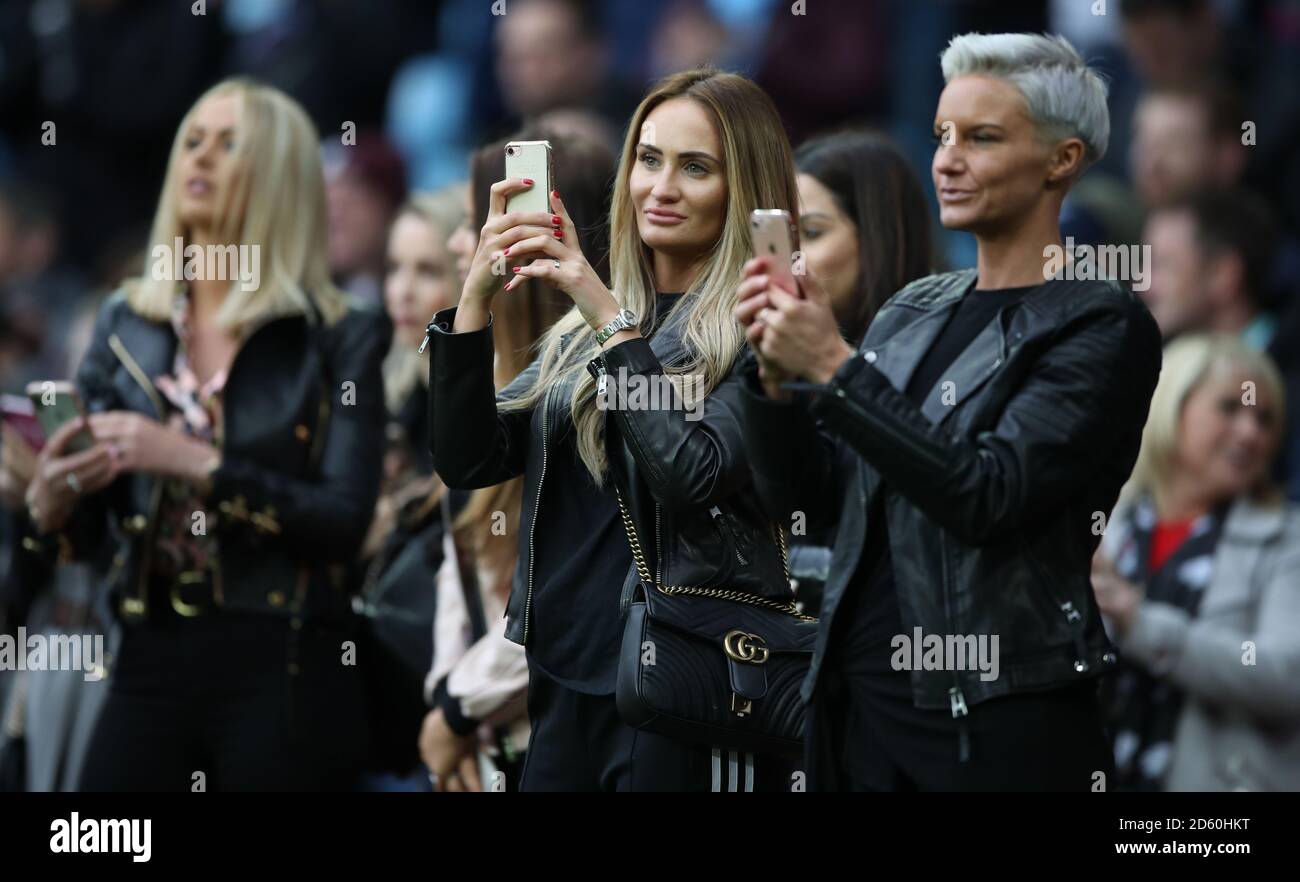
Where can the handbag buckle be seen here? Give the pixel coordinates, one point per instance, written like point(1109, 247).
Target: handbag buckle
point(740, 706)
point(745, 647)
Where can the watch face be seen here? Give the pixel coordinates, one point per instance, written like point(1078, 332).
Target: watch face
point(628, 316)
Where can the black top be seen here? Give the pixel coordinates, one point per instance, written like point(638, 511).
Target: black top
point(871, 615)
point(580, 560)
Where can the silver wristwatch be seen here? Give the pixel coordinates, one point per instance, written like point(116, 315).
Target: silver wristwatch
point(626, 320)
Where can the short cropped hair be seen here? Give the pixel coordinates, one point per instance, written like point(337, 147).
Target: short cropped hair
point(1066, 98)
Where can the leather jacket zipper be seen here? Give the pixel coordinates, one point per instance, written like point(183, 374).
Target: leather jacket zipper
point(140, 603)
point(725, 531)
point(532, 525)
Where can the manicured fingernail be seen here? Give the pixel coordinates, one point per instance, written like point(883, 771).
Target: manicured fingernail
point(514, 269)
point(555, 193)
point(528, 181)
point(505, 253)
point(555, 219)
point(559, 234)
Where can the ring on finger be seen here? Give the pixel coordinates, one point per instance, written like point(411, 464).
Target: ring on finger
point(74, 482)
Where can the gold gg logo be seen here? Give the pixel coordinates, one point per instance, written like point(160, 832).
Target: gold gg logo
point(745, 647)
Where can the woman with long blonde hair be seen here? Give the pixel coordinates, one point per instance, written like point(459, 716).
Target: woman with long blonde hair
point(703, 150)
point(237, 414)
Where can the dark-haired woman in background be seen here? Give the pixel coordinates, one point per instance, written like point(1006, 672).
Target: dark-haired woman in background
point(864, 230)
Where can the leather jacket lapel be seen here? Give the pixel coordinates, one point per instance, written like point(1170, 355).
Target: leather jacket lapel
point(971, 370)
point(898, 357)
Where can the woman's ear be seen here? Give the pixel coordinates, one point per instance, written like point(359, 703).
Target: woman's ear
point(1067, 160)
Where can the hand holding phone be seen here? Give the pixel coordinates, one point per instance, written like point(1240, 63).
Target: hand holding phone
point(773, 235)
point(530, 159)
point(55, 404)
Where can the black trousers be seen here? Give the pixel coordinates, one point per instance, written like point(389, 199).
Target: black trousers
point(248, 701)
point(1043, 741)
point(579, 743)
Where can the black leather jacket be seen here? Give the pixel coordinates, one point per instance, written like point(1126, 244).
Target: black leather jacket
point(686, 482)
point(992, 499)
point(301, 458)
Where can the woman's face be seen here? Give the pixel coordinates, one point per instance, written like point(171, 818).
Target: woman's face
point(1224, 444)
point(678, 184)
point(208, 163)
point(420, 279)
point(464, 241)
point(829, 240)
point(990, 164)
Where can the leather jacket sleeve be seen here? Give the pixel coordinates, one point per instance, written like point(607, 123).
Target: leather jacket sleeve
point(793, 461)
point(1049, 440)
point(328, 516)
point(689, 458)
point(473, 444)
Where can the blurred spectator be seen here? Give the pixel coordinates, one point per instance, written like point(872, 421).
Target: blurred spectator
point(1197, 575)
point(365, 183)
point(1211, 255)
point(478, 680)
point(553, 54)
point(1186, 138)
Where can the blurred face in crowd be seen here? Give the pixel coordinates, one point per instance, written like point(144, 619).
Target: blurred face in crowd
point(464, 240)
point(421, 277)
point(358, 224)
point(208, 162)
point(1224, 444)
point(990, 162)
point(677, 184)
point(1171, 49)
point(1178, 296)
point(1173, 151)
point(828, 239)
point(544, 59)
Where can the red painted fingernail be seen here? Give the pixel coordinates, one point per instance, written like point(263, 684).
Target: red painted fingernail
point(505, 253)
point(528, 181)
point(555, 193)
point(555, 219)
point(559, 234)
point(514, 269)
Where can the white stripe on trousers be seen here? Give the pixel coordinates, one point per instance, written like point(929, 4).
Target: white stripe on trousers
point(733, 769)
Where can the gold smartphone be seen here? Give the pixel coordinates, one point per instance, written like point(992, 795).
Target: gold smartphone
point(773, 236)
point(530, 159)
point(57, 402)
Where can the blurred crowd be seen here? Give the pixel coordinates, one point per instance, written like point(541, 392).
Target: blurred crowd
point(413, 101)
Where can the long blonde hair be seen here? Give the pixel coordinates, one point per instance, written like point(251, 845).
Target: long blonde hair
point(280, 182)
point(443, 211)
point(759, 170)
point(1187, 363)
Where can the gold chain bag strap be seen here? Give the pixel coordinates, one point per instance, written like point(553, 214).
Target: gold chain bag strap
point(714, 665)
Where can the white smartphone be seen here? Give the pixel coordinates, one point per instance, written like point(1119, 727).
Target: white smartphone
point(530, 159)
point(773, 236)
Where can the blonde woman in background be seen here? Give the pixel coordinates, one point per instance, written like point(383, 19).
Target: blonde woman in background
point(238, 433)
point(1198, 576)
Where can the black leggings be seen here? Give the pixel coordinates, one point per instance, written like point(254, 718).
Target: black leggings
point(580, 743)
point(237, 702)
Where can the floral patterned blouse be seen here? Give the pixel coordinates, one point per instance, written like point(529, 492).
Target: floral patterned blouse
point(179, 552)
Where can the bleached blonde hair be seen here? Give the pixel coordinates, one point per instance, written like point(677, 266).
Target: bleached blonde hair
point(280, 183)
point(759, 168)
point(1187, 363)
point(1066, 97)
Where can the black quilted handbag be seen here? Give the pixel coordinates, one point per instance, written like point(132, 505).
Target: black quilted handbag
point(712, 665)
